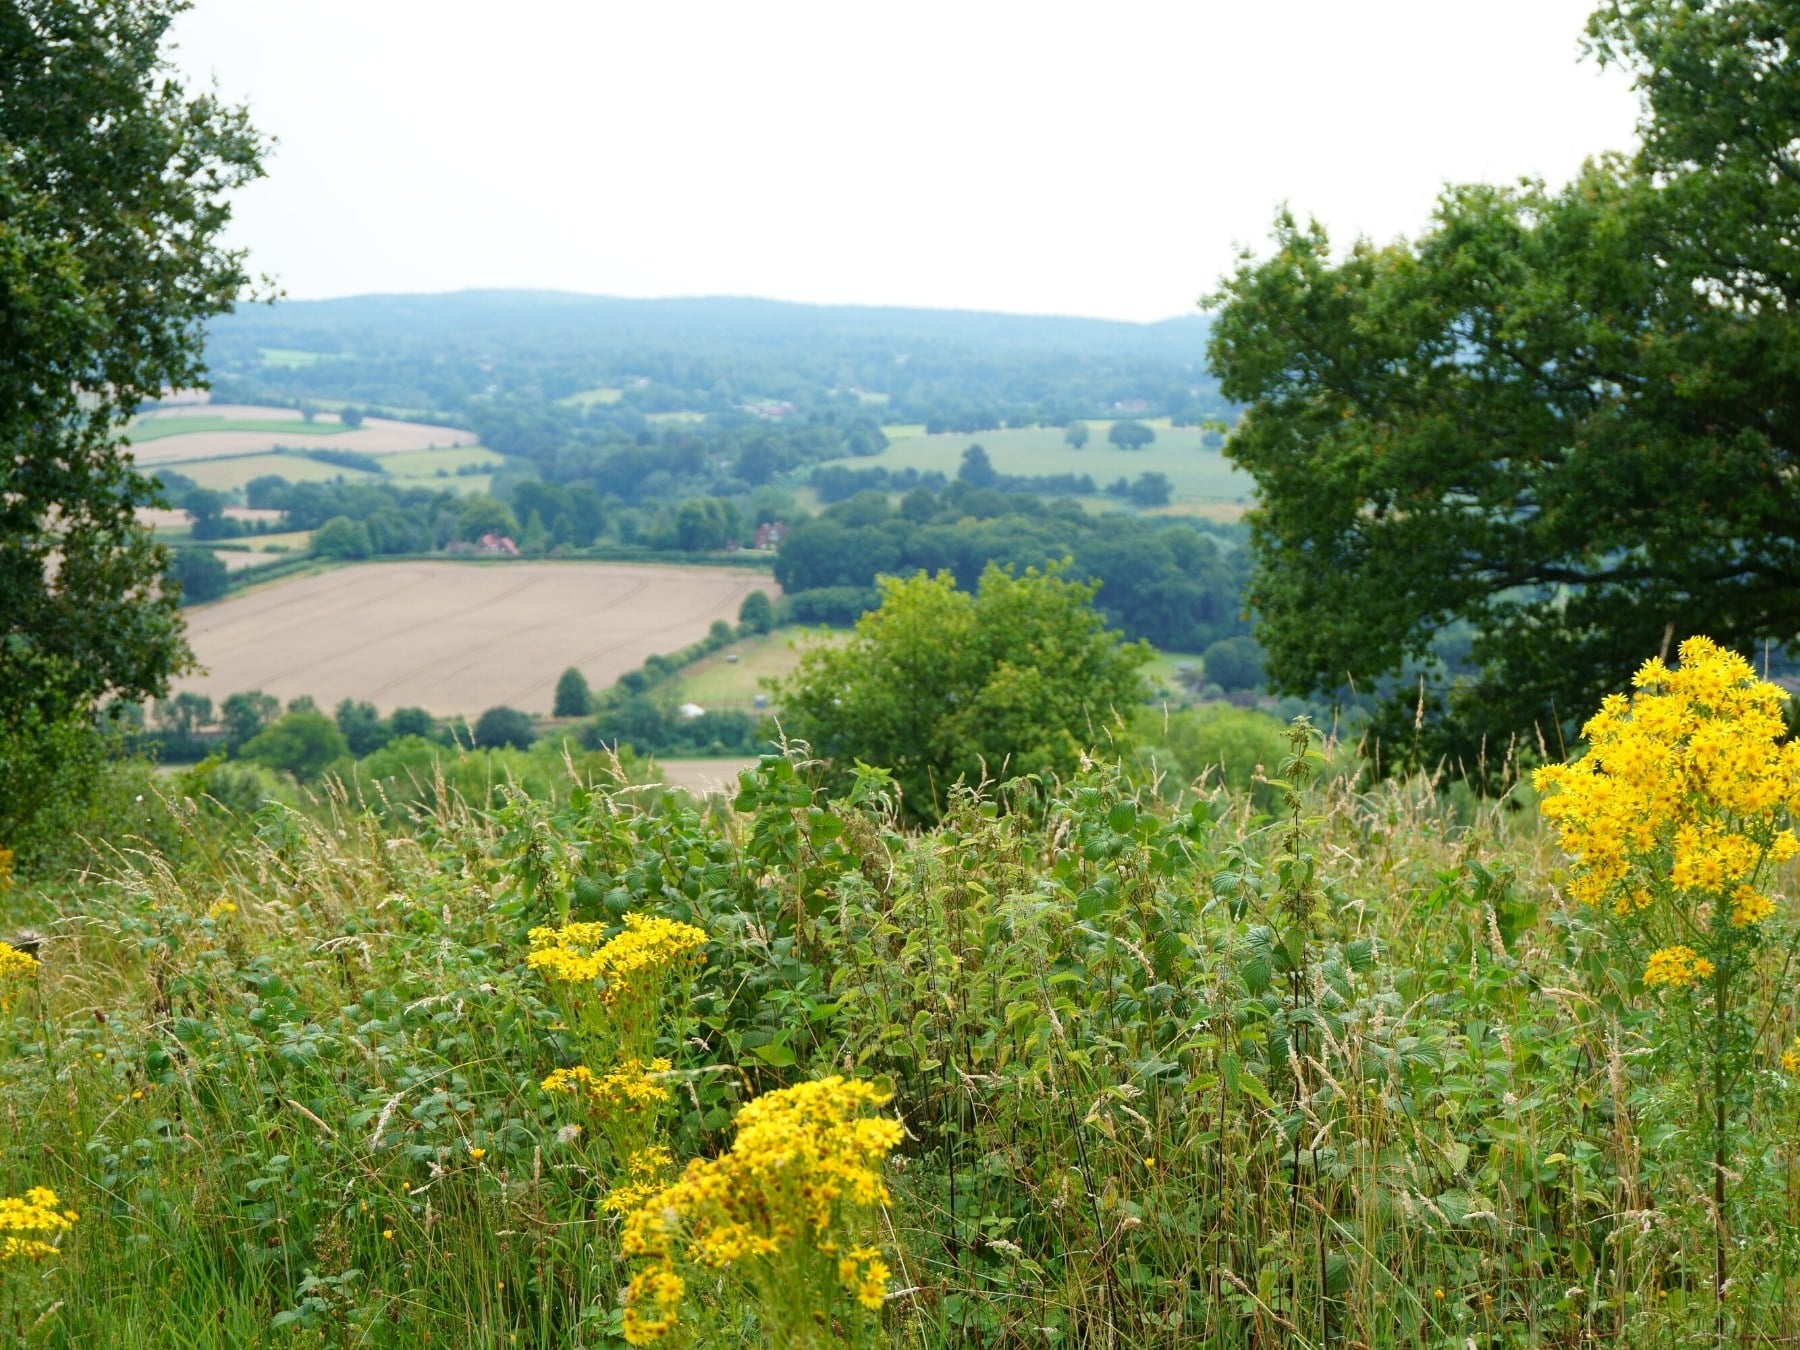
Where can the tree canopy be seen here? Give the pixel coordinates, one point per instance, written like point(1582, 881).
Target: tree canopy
point(113, 182)
point(941, 686)
point(1566, 416)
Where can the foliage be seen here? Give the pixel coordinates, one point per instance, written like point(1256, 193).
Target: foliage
point(942, 687)
point(1234, 663)
point(572, 696)
point(757, 613)
point(1076, 434)
point(504, 726)
point(704, 525)
point(111, 211)
point(1168, 582)
point(977, 470)
point(245, 714)
point(1146, 490)
point(361, 726)
point(198, 574)
point(482, 515)
point(342, 539)
point(303, 743)
point(52, 759)
point(112, 206)
point(1129, 435)
point(1563, 415)
point(1211, 745)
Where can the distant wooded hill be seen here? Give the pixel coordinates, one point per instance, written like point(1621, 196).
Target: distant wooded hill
point(954, 370)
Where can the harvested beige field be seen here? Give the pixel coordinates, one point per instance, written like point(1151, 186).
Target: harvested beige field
point(376, 436)
point(457, 637)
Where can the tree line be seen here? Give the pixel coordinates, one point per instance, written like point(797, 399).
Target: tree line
point(1177, 585)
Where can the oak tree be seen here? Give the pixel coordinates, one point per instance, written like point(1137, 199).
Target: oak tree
point(113, 198)
point(1567, 417)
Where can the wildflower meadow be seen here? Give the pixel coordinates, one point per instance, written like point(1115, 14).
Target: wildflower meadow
point(1096, 1061)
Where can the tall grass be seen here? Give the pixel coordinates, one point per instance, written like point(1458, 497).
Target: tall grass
point(1347, 1072)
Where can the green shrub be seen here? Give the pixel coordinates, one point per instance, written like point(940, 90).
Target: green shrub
point(304, 743)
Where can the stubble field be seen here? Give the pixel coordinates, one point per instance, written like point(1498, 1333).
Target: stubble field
point(456, 637)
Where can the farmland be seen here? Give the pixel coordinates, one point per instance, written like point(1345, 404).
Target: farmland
point(717, 681)
point(455, 637)
point(210, 431)
point(1198, 475)
point(404, 468)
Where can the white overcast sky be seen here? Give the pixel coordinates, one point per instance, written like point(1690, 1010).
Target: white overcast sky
point(1101, 158)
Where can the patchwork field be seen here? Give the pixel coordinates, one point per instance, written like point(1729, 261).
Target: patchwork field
point(211, 430)
point(1199, 475)
point(403, 468)
point(456, 637)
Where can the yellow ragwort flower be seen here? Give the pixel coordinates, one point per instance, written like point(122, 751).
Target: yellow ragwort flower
point(1676, 967)
point(626, 1088)
point(1790, 1058)
point(15, 968)
point(1693, 768)
point(804, 1159)
point(635, 962)
point(29, 1224)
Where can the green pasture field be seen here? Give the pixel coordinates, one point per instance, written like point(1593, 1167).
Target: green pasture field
point(156, 428)
point(716, 682)
point(230, 473)
point(661, 419)
point(1197, 474)
point(589, 397)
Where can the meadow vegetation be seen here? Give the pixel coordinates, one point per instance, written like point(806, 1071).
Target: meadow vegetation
point(1339, 1065)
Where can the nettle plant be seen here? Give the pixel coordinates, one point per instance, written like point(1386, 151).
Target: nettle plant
point(1679, 820)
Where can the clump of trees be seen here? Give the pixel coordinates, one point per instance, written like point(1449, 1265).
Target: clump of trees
point(1565, 415)
point(941, 686)
point(504, 726)
point(1129, 435)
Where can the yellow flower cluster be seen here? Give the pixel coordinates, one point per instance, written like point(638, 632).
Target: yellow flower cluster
point(1676, 967)
point(15, 966)
point(862, 1271)
point(648, 1170)
point(802, 1158)
point(29, 1225)
point(1692, 763)
point(626, 1088)
point(635, 961)
point(1790, 1058)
